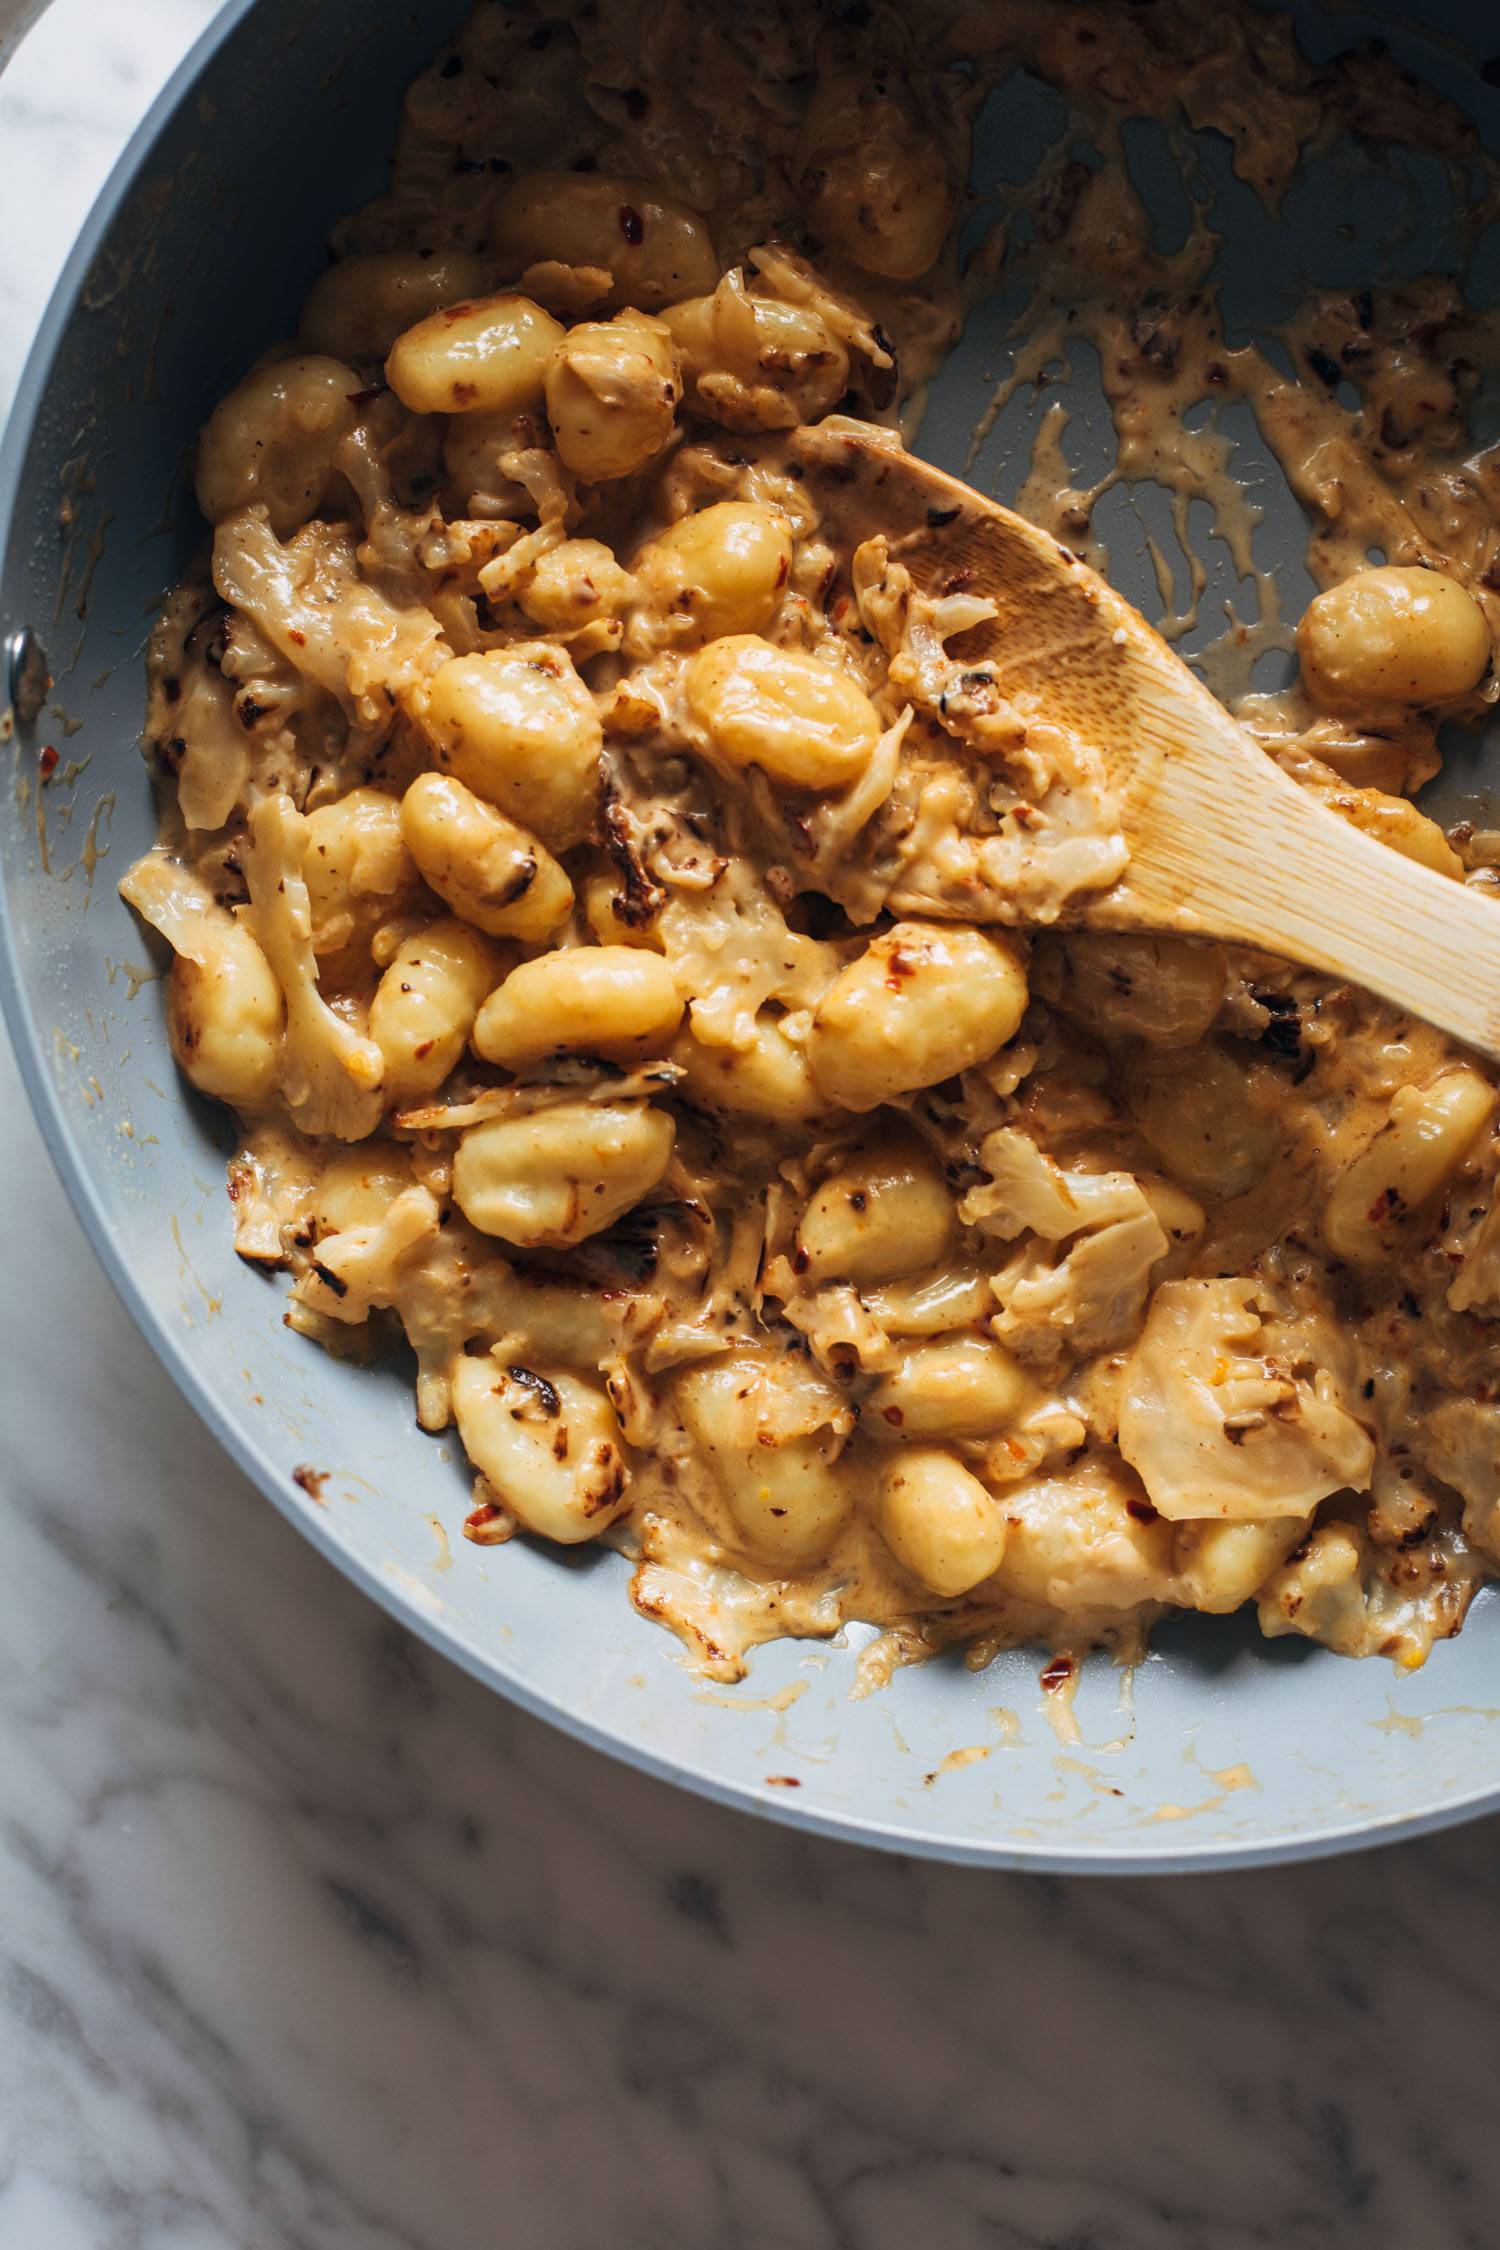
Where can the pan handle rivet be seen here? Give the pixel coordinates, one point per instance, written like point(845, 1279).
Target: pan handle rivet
point(27, 677)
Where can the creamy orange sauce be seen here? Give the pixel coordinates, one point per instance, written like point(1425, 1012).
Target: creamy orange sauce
point(1056, 1304)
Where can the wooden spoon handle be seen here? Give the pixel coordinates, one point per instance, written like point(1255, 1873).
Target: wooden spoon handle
point(1269, 866)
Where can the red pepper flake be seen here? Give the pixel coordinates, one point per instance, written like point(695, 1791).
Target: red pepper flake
point(632, 225)
point(312, 1482)
point(1057, 1673)
point(47, 762)
point(294, 635)
point(489, 1525)
point(782, 1781)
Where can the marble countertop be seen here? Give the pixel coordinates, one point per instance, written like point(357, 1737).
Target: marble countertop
point(308, 1943)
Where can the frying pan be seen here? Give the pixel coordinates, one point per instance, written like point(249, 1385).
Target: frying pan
point(1221, 1748)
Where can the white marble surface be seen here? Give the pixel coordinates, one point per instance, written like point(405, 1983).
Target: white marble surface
point(307, 1943)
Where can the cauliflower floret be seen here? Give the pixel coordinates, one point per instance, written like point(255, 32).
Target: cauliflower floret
point(200, 734)
point(1026, 1193)
point(795, 282)
point(1085, 1541)
point(1092, 1295)
point(1476, 1286)
point(1320, 1592)
point(1339, 1588)
point(755, 362)
point(1463, 1448)
point(330, 1075)
point(1091, 1298)
point(1231, 1413)
point(315, 609)
point(358, 1270)
point(447, 1288)
point(732, 948)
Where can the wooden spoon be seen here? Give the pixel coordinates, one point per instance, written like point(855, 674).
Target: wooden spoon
point(1221, 843)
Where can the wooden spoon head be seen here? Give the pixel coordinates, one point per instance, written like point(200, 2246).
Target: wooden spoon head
point(1062, 644)
point(1064, 649)
point(1220, 842)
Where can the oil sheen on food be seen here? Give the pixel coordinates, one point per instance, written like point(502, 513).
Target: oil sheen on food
point(646, 978)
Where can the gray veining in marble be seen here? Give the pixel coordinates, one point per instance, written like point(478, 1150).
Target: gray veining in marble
point(307, 1943)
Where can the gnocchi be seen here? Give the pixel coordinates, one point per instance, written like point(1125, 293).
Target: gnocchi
point(1428, 1134)
point(360, 877)
point(479, 453)
point(1201, 1116)
point(425, 1004)
point(272, 442)
point(518, 727)
point(877, 181)
point(612, 390)
point(1166, 990)
point(719, 572)
point(1223, 1565)
point(650, 247)
point(959, 1387)
point(489, 871)
point(612, 1000)
point(1086, 1540)
point(772, 1434)
point(550, 1445)
point(1393, 636)
point(884, 1213)
point(555, 1176)
point(940, 1522)
point(754, 362)
point(225, 1015)
point(921, 1004)
point(766, 1078)
point(357, 309)
point(359, 1185)
point(802, 723)
point(488, 356)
